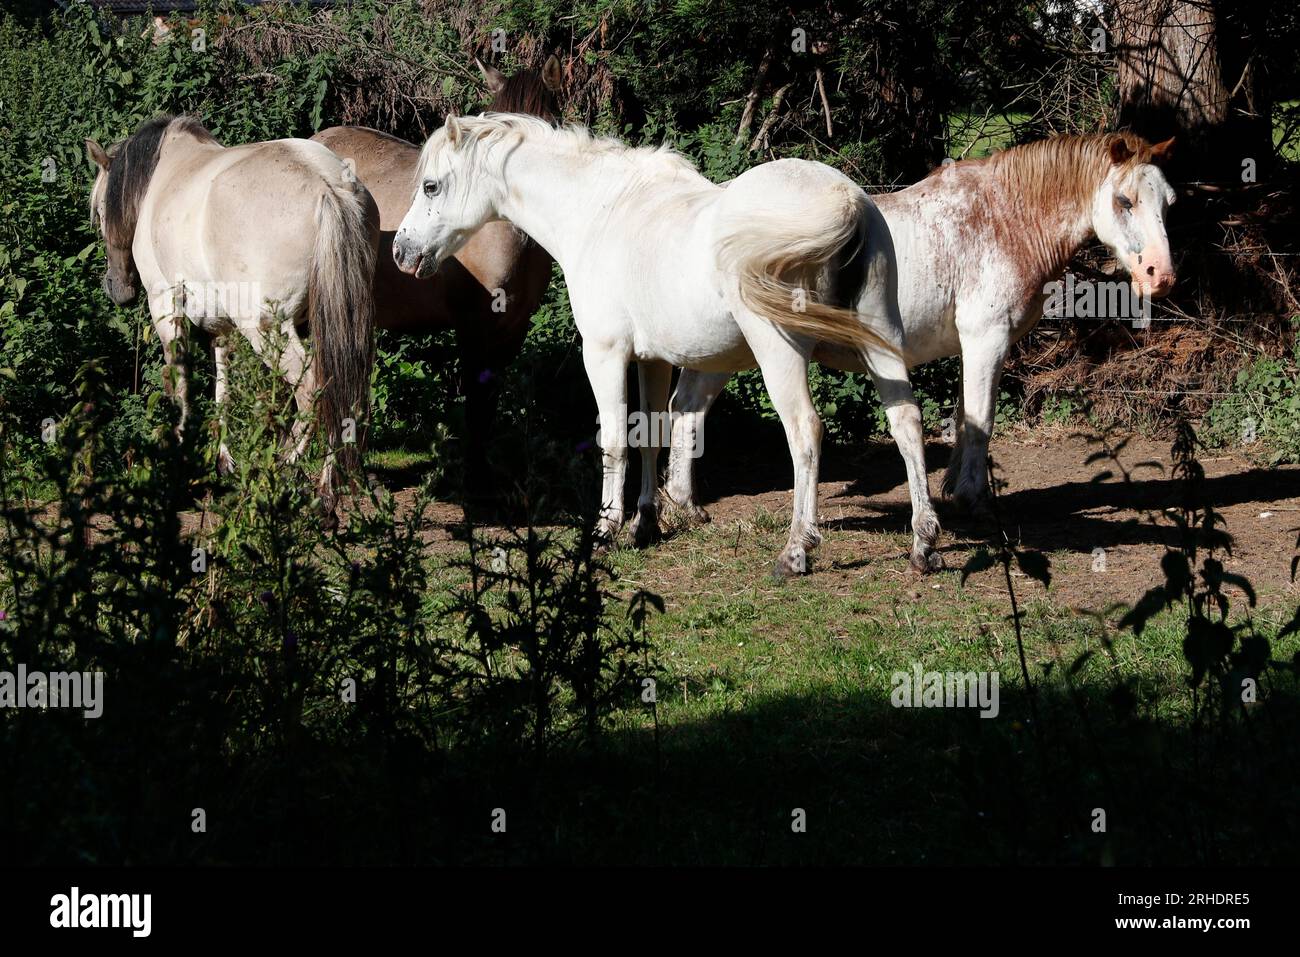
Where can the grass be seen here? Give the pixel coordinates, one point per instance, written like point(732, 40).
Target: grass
point(732, 635)
point(973, 135)
point(773, 700)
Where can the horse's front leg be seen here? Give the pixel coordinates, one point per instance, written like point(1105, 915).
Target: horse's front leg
point(953, 472)
point(694, 395)
point(172, 334)
point(607, 373)
point(983, 354)
point(889, 373)
point(652, 433)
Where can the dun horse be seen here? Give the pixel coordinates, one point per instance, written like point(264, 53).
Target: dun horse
point(489, 291)
point(242, 239)
point(667, 268)
point(978, 244)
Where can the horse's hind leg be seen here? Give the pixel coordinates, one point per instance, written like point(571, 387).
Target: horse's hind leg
point(294, 368)
point(301, 374)
point(889, 373)
point(953, 471)
point(652, 434)
point(785, 373)
point(221, 360)
point(694, 395)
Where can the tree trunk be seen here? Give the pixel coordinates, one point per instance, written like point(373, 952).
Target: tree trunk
point(1185, 68)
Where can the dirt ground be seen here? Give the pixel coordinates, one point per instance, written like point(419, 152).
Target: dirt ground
point(1054, 500)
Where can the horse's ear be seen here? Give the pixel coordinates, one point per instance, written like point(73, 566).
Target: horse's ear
point(1119, 150)
point(493, 77)
point(452, 126)
point(1162, 153)
point(553, 74)
point(97, 155)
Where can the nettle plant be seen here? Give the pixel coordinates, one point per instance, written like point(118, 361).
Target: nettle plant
point(1231, 655)
point(1262, 413)
point(241, 639)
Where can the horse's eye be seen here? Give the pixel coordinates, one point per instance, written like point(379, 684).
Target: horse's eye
point(1124, 201)
point(430, 188)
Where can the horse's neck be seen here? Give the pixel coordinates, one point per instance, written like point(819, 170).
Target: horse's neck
point(1044, 235)
point(560, 198)
point(1038, 238)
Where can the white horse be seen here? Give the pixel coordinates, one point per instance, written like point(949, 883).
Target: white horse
point(979, 243)
point(239, 239)
point(667, 268)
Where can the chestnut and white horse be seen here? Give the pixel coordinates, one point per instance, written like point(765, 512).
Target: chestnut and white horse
point(667, 268)
point(979, 242)
point(241, 238)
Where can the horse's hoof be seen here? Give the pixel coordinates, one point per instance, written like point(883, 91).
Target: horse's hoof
point(926, 563)
point(790, 564)
point(645, 527)
point(693, 516)
point(603, 542)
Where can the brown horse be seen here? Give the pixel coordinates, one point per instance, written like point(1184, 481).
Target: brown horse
point(489, 291)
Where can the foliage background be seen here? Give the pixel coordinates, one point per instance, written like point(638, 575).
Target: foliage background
point(475, 674)
point(907, 83)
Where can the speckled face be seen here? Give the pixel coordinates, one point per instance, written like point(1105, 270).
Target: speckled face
point(1129, 217)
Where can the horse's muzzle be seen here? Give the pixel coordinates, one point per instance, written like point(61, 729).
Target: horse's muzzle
point(122, 293)
point(410, 259)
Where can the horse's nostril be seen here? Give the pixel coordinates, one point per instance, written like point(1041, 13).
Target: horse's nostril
point(1151, 270)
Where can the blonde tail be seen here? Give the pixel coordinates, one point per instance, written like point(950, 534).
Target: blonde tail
point(783, 264)
point(340, 309)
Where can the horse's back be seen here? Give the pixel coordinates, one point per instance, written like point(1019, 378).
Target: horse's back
point(245, 214)
point(279, 185)
point(383, 162)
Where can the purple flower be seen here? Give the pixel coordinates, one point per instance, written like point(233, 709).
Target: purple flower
point(485, 377)
point(3, 614)
point(584, 445)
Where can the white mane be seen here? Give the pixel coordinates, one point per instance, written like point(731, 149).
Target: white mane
point(503, 129)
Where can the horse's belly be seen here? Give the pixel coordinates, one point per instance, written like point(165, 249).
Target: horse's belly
point(707, 340)
point(931, 337)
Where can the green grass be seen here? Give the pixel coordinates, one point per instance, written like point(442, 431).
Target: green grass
point(973, 135)
point(773, 697)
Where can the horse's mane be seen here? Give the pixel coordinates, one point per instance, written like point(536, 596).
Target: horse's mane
point(1060, 169)
point(525, 92)
point(133, 163)
point(493, 129)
